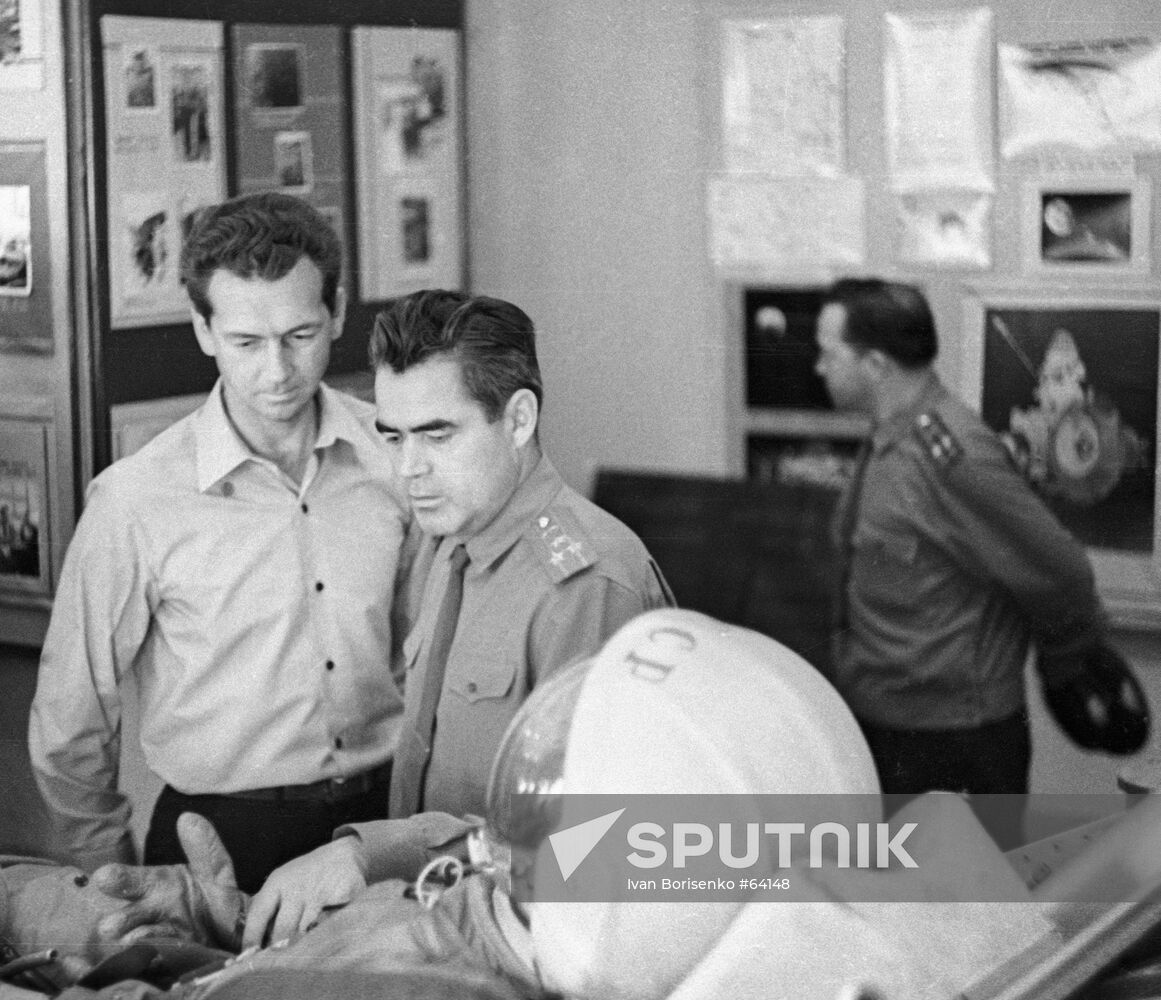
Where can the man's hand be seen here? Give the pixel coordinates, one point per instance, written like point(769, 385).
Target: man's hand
point(199, 901)
point(294, 896)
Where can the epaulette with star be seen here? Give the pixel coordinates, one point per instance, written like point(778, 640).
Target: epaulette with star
point(558, 541)
point(939, 443)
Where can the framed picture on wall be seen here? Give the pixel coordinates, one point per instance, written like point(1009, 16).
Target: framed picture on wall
point(1070, 381)
point(24, 551)
point(1087, 226)
point(780, 348)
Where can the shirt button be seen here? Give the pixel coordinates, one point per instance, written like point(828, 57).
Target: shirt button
point(330, 664)
point(338, 743)
point(227, 489)
point(305, 509)
point(472, 687)
point(318, 585)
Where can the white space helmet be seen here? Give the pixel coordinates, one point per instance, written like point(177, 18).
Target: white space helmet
point(675, 702)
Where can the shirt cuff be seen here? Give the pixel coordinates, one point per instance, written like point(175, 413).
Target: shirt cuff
point(121, 851)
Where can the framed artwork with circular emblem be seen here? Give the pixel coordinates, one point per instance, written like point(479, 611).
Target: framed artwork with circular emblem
point(1071, 385)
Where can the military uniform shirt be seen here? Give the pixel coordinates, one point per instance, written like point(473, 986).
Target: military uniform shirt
point(550, 579)
point(952, 565)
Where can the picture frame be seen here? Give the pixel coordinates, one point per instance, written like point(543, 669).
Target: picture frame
point(1071, 380)
point(1087, 226)
point(24, 500)
point(780, 349)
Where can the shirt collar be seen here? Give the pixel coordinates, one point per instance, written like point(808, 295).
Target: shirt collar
point(220, 450)
point(527, 500)
point(897, 426)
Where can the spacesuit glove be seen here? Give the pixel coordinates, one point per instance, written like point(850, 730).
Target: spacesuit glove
point(296, 895)
point(1097, 700)
point(198, 901)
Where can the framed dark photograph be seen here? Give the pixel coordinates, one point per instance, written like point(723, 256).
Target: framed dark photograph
point(1087, 226)
point(781, 350)
point(1071, 384)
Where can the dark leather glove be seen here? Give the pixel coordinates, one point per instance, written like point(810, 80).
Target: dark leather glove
point(1099, 703)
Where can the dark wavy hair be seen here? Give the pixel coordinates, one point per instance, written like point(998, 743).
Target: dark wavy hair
point(493, 341)
point(886, 316)
point(259, 236)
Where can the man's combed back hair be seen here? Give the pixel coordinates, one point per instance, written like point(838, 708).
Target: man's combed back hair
point(259, 236)
point(493, 341)
point(888, 317)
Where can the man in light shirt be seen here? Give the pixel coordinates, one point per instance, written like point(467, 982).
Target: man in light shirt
point(242, 567)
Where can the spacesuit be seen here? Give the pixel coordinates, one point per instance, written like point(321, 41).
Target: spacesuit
point(675, 702)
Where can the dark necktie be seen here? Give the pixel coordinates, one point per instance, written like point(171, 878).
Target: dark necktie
point(410, 768)
point(847, 521)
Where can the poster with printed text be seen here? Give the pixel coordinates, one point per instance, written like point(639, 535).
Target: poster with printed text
point(21, 53)
point(163, 87)
point(782, 95)
point(1087, 95)
point(937, 78)
point(407, 143)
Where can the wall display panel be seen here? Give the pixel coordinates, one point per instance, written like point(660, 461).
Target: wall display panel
point(407, 140)
point(25, 261)
point(25, 567)
point(1070, 380)
point(290, 114)
point(166, 156)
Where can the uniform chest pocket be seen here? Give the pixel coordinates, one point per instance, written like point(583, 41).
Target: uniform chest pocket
point(879, 548)
point(487, 679)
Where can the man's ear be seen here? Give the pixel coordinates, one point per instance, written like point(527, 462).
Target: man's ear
point(879, 363)
point(340, 313)
point(522, 415)
point(202, 332)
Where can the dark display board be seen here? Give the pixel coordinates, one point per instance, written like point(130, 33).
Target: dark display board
point(285, 119)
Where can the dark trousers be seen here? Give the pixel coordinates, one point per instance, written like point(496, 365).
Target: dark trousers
point(260, 833)
point(990, 763)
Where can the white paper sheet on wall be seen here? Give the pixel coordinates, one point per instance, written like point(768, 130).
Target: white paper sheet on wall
point(761, 222)
point(946, 229)
point(938, 99)
point(1084, 95)
point(782, 95)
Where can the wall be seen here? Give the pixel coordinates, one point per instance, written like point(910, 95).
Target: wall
point(591, 130)
point(39, 386)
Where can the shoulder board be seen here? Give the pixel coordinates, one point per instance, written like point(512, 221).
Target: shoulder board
point(938, 442)
point(559, 543)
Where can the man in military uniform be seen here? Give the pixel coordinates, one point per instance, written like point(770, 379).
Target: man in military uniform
point(951, 567)
point(516, 575)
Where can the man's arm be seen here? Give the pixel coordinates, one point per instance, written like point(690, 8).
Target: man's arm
point(99, 620)
point(1007, 535)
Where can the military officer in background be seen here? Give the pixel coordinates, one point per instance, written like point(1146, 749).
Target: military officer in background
point(516, 576)
point(952, 566)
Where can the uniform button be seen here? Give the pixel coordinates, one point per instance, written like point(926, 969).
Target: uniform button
point(338, 743)
point(330, 664)
point(305, 509)
point(227, 489)
point(318, 585)
point(472, 687)
point(81, 880)
point(543, 522)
